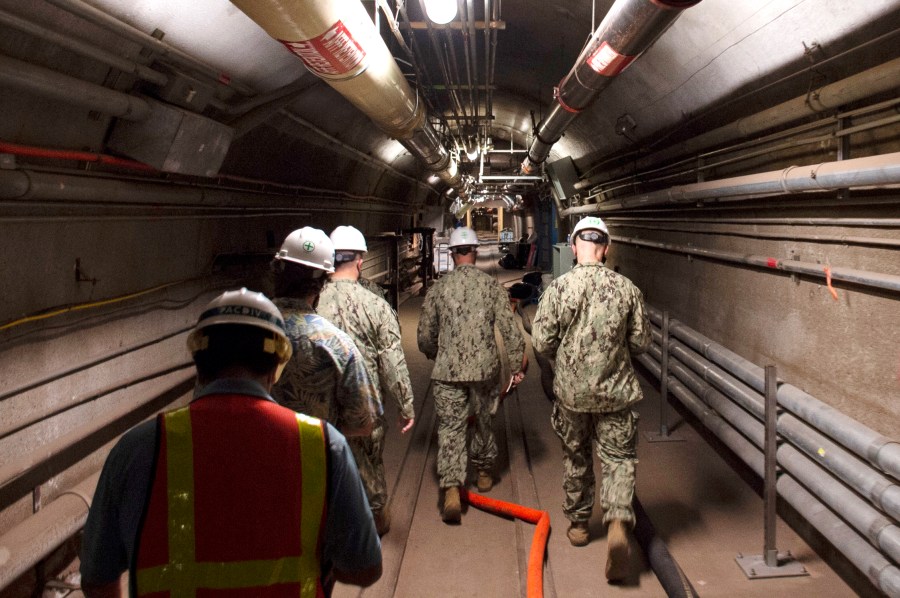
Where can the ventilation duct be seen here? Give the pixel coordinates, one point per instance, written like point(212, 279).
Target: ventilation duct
point(629, 28)
point(338, 42)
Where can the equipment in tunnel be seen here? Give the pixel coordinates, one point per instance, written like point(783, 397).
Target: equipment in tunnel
point(173, 139)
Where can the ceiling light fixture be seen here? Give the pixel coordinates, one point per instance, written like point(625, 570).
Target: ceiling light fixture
point(440, 12)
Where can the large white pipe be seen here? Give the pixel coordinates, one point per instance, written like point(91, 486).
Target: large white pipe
point(338, 42)
point(629, 28)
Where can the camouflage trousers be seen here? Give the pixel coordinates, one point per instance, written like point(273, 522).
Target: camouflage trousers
point(368, 451)
point(615, 435)
point(454, 402)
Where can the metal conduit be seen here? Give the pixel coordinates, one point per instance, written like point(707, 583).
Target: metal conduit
point(884, 574)
point(83, 49)
point(861, 277)
point(24, 185)
point(883, 492)
point(843, 222)
point(628, 30)
point(858, 87)
point(705, 164)
point(861, 515)
point(871, 171)
point(338, 43)
point(51, 84)
point(34, 539)
point(880, 451)
point(173, 54)
point(842, 239)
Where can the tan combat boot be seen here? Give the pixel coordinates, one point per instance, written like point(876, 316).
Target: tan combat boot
point(485, 481)
point(452, 507)
point(578, 533)
point(619, 556)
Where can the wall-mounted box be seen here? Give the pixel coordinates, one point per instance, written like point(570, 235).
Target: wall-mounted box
point(175, 140)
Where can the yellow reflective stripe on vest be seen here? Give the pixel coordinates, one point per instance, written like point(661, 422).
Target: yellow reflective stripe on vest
point(183, 575)
point(312, 447)
point(180, 481)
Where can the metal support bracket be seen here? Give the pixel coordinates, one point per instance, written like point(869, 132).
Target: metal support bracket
point(770, 563)
point(664, 435)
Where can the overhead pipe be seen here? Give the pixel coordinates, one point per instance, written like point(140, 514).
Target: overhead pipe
point(338, 42)
point(866, 84)
point(83, 49)
point(166, 51)
point(842, 239)
point(870, 171)
point(628, 30)
point(22, 185)
point(51, 84)
point(708, 162)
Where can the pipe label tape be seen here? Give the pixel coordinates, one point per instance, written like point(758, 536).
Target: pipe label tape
point(333, 53)
point(606, 61)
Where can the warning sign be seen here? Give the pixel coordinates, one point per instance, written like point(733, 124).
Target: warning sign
point(608, 62)
point(335, 52)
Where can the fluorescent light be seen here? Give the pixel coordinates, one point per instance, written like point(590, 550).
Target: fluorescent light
point(440, 11)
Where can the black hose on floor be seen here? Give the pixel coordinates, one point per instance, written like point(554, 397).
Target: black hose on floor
point(667, 571)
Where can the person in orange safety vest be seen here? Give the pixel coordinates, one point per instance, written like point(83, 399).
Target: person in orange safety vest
point(232, 494)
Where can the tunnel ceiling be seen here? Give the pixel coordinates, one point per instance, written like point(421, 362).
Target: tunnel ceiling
point(718, 60)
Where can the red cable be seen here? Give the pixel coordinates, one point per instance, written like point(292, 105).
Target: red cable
point(535, 584)
point(40, 152)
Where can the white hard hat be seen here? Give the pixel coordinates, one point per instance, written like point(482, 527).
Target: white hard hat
point(309, 247)
point(248, 308)
point(348, 238)
point(462, 236)
point(589, 223)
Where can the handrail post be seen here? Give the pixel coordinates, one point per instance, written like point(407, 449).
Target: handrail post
point(770, 563)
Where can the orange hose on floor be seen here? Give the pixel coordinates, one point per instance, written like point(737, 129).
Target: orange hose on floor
point(535, 583)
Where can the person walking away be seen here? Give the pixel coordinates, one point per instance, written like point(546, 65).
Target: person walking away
point(591, 320)
point(232, 493)
point(457, 330)
point(372, 324)
point(327, 377)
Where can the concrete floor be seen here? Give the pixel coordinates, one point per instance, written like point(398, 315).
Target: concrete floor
point(705, 510)
point(704, 507)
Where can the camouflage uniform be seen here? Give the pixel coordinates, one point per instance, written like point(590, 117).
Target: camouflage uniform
point(371, 323)
point(456, 329)
point(326, 377)
point(591, 321)
point(373, 287)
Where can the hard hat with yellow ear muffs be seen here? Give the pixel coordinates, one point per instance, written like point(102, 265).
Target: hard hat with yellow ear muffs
point(247, 308)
